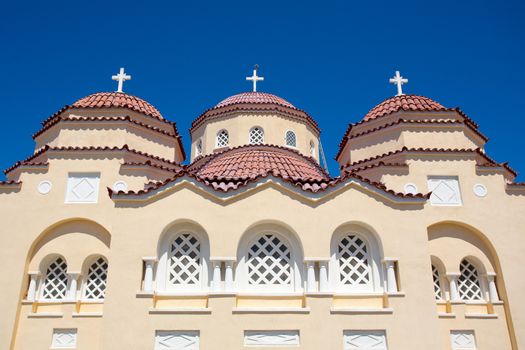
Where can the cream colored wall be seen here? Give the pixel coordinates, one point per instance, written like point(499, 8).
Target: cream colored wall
point(238, 126)
point(135, 231)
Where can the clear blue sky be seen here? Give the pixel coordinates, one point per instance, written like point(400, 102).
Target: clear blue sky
point(332, 59)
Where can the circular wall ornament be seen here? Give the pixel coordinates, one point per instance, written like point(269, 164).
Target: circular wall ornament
point(480, 190)
point(120, 186)
point(44, 187)
point(411, 189)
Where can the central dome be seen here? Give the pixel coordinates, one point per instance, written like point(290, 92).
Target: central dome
point(255, 98)
point(404, 103)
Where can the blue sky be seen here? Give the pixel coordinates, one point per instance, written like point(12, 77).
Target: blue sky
point(332, 59)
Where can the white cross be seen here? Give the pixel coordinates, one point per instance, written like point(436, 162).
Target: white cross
point(399, 81)
point(255, 78)
point(121, 77)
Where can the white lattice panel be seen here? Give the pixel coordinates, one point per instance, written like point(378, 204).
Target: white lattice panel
point(177, 340)
point(82, 188)
point(256, 136)
point(469, 287)
point(55, 282)
point(365, 340)
point(437, 283)
point(184, 260)
point(269, 262)
point(461, 340)
point(96, 280)
point(354, 261)
point(271, 338)
point(445, 191)
point(64, 339)
point(291, 139)
point(223, 138)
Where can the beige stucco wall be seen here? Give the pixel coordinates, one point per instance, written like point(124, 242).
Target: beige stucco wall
point(29, 219)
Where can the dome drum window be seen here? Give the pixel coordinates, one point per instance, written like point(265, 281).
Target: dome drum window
point(290, 139)
point(198, 148)
point(223, 139)
point(256, 136)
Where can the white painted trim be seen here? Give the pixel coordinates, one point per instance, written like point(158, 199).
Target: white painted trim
point(446, 315)
point(162, 293)
point(271, 310)
point(315, 259)
point(143, 294)
point(223, 258)
point(476, 315)
point(182, 310)
point(86, 314)
point(270, 294)
point(357, 311)
point(45, 315)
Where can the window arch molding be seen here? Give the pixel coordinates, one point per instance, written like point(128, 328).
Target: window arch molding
point(169, 235)
point(375, 255)
point(290, 239)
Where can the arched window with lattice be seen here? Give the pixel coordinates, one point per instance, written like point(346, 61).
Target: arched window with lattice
point(469, 283)
point(55, 280)
point(269, 262)
point(184, 265)
point(256, 135)
point(436, 279)
point(95, 283)
point(353, 257)
point(223, 139)
point(290, 139)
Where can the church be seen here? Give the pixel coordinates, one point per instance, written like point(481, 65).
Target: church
point(115, 237)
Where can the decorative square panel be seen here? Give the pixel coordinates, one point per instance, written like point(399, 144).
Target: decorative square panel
point(177, 340)
point(364, 340)
point(445, 191)
point(461, 340)
point(271, 338)
point(64, 339)
point(82, 188)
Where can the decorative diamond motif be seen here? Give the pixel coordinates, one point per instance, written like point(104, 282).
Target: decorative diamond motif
point(445, 191)
point(354, 261)
point(96, 280)
point(437, 283)
point(184, 260)
point(222, 138)
point(64, 339)
point(269, 262)
point(461, 340)
point(256, 136)
point(271, 338)
point(291, 139)
point(173, 340)
point(55, 283)
point(82, 189)
point(365, 340)
point(469, 287)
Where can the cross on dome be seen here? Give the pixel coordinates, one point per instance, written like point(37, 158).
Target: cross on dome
point(399, 81)
point(254, 78)
point(121, 77)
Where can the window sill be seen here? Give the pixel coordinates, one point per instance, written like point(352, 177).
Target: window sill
point(446, 315)
point(179, 311)
point(181, 294)
point(46, 315)
point(365, 294)
point(270, 310)
point(86, 314)
point(270, 294)
point(143, 294)
point(474, 315)
point(336, 310)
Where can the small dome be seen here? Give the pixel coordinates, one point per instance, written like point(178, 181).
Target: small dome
point(256, 160)
point(254, 97)
point(404, 103)
point(117, 100)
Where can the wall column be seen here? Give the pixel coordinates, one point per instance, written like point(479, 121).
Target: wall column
point(148, 273)
point(228, 275)
point(33, 282)
point(216, 281)
point(310, 277)
point(391, 280)
point(493, 291)
point(73, 284)
point(323, 276)
point(453, 286)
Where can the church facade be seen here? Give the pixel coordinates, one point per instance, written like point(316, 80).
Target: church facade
point(112, 240)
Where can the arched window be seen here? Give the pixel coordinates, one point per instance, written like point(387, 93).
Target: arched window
point(269, 261)
point(55, 282)
point(184, 265)
point(256, 135)
point(198, 148)
point(95, 285)
point(222, 139)
point(312, 149)
point(438, 292)
point(469, 286)
point(290, 139)
point(353, 258)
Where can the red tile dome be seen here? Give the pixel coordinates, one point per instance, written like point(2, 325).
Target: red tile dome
point(254, 97)
point(404, 103)
point(256, 160)
point(117, 100)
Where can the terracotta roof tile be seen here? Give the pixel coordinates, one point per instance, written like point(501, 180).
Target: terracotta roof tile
point(406, 103)
point(254, 98)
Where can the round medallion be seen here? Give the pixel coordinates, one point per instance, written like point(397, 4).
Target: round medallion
point(480, 190)
point(411, 189)
point(120, 186)
point(44, 187)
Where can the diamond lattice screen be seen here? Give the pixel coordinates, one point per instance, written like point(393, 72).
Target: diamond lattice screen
point(469, 287)
point(55, 283)
point(96, 280)
point(184, 260)
point(256, 136)
point(269, 262)
point(291, 140)
point(437, 283)
point(365, 340)
point(222, 138)
point(354, 261)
